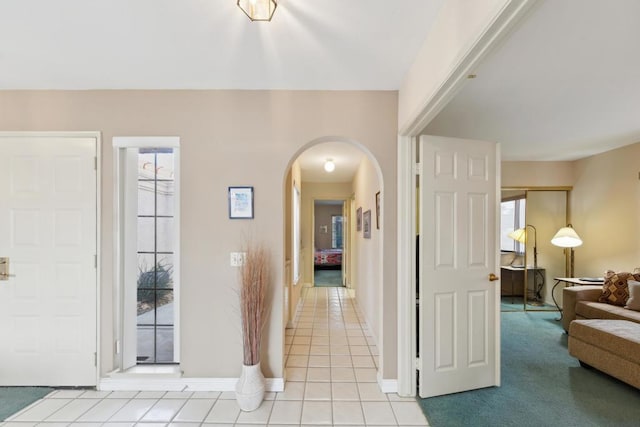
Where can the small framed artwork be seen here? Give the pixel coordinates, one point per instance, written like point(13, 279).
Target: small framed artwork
point(366, 224)
point(359, 219)
point(241, 202)
point(378, 210)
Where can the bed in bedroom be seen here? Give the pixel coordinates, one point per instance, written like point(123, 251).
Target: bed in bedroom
point(327, 258)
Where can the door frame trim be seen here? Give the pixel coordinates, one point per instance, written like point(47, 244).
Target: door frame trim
point(344, 201)
point(97, 135)
point(506, 20)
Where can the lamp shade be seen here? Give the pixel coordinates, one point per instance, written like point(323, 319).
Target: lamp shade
point(566, 237)
point(258, 10)
point(519, 235)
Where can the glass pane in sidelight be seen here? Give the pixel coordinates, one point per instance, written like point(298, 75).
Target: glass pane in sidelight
point(165, 198)
point(146, 234)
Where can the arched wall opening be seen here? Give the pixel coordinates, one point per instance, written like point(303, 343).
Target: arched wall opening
point(362, 194)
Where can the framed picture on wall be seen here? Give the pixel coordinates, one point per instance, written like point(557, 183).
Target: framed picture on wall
point(378, 210)
point(241, 202)
point(359, 219)
point(366, 224)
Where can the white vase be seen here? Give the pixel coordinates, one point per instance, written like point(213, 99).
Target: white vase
point(250, 388)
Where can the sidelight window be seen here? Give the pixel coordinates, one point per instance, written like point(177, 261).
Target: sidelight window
point(148, 248)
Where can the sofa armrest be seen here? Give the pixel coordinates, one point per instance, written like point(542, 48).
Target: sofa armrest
point(571, 295)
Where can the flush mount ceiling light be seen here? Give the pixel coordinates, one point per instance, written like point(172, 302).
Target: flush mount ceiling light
point(258, 10)
point(329, 166)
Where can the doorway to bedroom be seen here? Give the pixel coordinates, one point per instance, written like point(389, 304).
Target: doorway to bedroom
point(329, 242)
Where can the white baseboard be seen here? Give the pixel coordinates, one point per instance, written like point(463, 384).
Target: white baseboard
point(387, 386)
point(148, 383)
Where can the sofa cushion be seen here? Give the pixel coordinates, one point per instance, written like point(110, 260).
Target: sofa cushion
point(633, 303)
point(616, 336)
point(615, 289)
point(600, 310)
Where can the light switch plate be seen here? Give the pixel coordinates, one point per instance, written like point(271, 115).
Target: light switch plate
point(237, 258)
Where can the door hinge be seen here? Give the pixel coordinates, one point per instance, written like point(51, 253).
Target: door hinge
point(95, 359)
point(95, 163)
point(417, 169)
point(417, 364)
point(95, 261)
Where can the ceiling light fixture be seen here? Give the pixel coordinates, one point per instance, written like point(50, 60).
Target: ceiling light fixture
point(258, 10)
point(329, 165)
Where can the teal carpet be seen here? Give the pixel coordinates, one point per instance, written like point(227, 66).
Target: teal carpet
point(327, 278)
point(517, 304)
point(541, 386)
point(14, 399)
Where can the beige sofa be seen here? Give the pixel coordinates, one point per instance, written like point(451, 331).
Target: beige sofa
point(601, 335)
point(611, 346)
point(581, 302)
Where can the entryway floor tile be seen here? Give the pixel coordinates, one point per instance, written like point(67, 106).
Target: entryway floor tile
point(331, 379)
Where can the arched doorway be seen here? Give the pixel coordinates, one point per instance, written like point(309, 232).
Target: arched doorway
point(357, 184)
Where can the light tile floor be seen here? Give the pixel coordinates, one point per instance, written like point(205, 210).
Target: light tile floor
point(331, 363)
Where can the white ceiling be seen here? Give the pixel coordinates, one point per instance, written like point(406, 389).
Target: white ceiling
point(346, 157)
point(209, 44)
point(564, 86)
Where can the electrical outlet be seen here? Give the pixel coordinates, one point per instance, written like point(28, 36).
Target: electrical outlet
point(237, 258)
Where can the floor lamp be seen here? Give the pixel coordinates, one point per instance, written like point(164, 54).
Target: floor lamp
point(567, 237)
point(520, 235)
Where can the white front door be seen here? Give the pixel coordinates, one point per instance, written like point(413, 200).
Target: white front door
point(459, 315)
point(48, 231)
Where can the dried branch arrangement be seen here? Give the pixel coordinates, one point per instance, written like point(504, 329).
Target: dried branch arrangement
point(254, 284)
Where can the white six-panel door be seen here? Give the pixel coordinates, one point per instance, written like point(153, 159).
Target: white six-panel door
point(459, 321)
point(48, 230)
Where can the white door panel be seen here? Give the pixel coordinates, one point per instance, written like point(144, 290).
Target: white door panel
point(48, 217)
point(459, 306)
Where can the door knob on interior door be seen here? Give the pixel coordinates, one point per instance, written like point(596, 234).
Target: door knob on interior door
point(4, 269)
point(493, 277)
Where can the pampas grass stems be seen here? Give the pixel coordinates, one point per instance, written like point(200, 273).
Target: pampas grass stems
point(254, 282)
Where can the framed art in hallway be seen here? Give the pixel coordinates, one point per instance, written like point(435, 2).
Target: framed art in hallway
point(378, 210)
point(241, 202)
point(366, 224)
point(359, 219)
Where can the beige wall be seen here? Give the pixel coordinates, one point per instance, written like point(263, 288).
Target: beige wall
point(367, 259)
point(228, 138)
point(604, 202)
point(537, 174)
point(605, 205)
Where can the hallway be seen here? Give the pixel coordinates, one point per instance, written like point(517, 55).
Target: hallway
point(331, 380)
